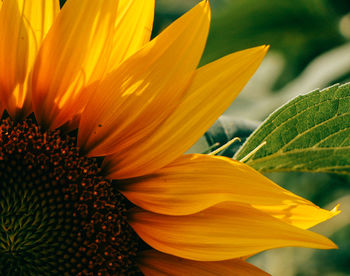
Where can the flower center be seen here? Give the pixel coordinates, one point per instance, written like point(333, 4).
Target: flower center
point(57, 215)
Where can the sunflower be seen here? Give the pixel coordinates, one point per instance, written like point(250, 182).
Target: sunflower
point(94, 179)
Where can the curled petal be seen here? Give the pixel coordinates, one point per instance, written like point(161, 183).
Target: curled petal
point(225, 231)
point(195, 182)
point(154, 263)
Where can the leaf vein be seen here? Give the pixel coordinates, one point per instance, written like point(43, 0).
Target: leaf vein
point(297, 114)
point(312, 128)
point(279, 154)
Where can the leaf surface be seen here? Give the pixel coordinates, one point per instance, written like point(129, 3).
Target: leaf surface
point(310, 133)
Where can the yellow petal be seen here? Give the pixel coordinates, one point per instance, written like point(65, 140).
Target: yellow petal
point(224, 231)
point(195, 182)
point(74, 54)
point(23, 25)
point(133, 29)
point(154, 263)
point(135, 98)
point(213, 89)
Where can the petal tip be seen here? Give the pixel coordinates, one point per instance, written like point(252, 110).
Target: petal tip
point(264, 48)
point(206, 7)
point(336, 210)
point(325, 243)
point(332, 245)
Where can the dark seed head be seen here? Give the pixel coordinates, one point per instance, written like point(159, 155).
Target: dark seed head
point(57, 215)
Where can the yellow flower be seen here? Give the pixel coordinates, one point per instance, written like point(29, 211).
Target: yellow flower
point(140, 105)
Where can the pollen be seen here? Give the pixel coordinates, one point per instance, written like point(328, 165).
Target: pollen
point(58, 216)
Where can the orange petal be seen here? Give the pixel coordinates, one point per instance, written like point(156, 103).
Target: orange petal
point(1, 107)
point(132, 29)
point(195, 182)
point(154, 263)
point(74, 54)
point(213, 89)
point(226, 231)
point(23, 25)
point(134, 99)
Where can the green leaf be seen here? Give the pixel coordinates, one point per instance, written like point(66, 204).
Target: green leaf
point(311, 134)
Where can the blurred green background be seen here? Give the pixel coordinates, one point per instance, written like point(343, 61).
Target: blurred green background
point(310, 48)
